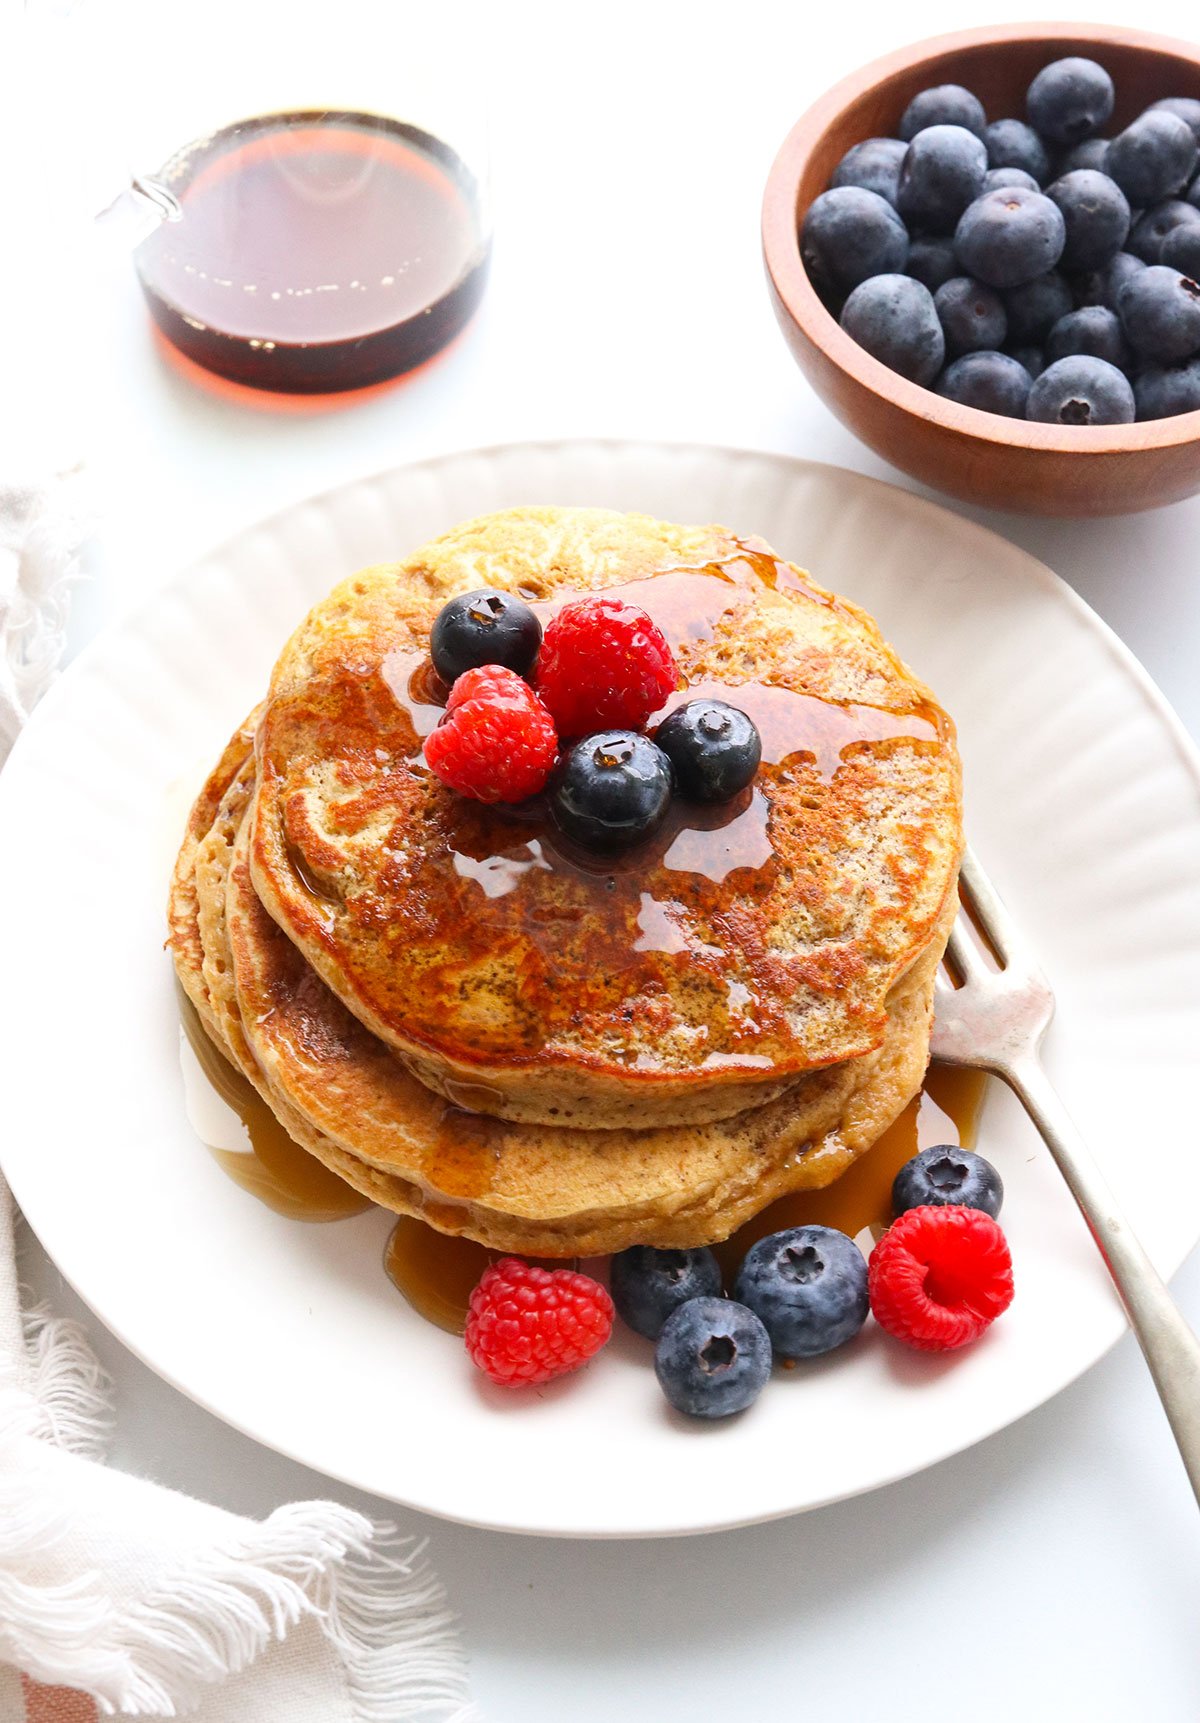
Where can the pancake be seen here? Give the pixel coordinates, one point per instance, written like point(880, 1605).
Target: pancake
point(712, 969)
point(345, 1097)
point(184, 938)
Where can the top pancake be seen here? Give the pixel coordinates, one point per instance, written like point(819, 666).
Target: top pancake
point(700, 973)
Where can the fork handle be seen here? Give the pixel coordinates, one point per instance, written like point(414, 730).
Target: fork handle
point(1171, 1349)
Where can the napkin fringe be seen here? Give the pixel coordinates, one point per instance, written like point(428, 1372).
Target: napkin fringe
point(372, 1592)
point(56, 1633)
point(43, 526)
point(386, 1615)
point(69, 1386)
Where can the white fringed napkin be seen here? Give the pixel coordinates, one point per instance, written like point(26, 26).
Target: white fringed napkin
point(116, 1595)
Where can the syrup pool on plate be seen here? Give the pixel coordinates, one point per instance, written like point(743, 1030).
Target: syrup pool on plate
point(246, 1139)
point(860, 1202)
point(315, 251)
point(437, 1274)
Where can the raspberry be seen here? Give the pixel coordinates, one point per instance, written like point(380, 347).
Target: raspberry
point(603, 665)
point(528, 1324)
point(939, 1276)
point(484, 683)
point(497, 741)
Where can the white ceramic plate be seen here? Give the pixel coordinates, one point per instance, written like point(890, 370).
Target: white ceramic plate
point(1082, 799)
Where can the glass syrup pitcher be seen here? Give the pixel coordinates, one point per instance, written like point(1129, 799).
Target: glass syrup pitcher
point(324, 223)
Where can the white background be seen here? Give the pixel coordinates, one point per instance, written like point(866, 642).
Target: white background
point(1053, 1572)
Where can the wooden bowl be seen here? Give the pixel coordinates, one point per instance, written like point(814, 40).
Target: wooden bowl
point(981, 457)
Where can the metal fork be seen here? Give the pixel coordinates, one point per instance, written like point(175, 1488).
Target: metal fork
point(996, 1021)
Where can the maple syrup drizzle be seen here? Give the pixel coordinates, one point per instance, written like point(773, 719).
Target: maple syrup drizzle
point(418, 689)
point(437, 1273)
point(688, 603)
point(795, 727)
point(246, 1139)
point(637, 909)
point(434, 1272)
point(859, 1203)
point(467, 1153)
point(735, 840)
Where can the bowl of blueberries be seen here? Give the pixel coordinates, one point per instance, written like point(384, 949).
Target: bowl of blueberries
point(984, 252)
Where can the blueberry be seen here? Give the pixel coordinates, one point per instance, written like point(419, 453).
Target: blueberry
point(1192, 194)
point(1096, 216)
point(1090, 153)
point(941, 174)
point(996, 179)
point(1152, 227)
point(873, 165)
point(1081, 391)
point(714, 748)
point(947, 1174)
point(972, 316)
point(989, 382)
point(1070, 100)
point(1162, 391)
point(850, 234)
point(1013, 144)
point(1093, 329)
point(1104, 286)
point(1185, 108)
point(1160, 309)
point(1152, 159)
point(484, 627)
point(895, 319)
point(611, 789)
point(648, 1284)
point(1181, 248)
point(947, 105)
point(1032, 358)
point(712, 1358)
point(1036, 306)
point(1009, 237)
point(809, 1286)
point(931, 260)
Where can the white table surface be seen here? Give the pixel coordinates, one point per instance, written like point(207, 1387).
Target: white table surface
point(1053, 1571)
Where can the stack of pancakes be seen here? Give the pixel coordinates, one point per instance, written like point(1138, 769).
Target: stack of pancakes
point(560, 1053)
